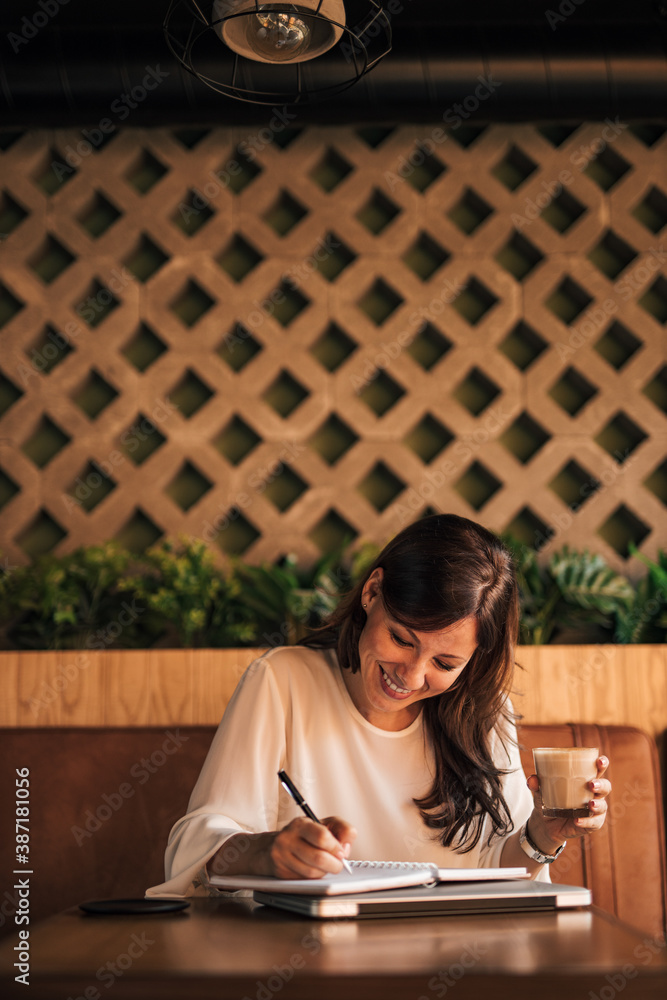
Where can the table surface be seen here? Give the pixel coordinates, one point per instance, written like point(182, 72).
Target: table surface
point(233, 948)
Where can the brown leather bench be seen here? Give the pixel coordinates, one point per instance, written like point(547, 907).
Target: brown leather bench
point(102, 802)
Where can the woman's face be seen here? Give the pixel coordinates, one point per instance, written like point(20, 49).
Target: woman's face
point(399, 667)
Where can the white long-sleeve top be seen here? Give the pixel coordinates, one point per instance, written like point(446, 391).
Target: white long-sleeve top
point(292, 710)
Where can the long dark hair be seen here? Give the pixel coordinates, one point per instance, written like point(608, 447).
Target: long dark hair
point(438, 571)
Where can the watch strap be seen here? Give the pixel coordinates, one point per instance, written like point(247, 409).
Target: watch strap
point(533, 852)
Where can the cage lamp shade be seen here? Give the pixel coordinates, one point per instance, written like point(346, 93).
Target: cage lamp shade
point(279, 32)
point(270, 49)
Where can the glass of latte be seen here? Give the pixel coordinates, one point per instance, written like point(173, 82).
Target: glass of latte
point(563, 773)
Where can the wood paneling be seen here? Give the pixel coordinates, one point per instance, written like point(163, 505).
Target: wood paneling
point(602, 684)
point(119, 687)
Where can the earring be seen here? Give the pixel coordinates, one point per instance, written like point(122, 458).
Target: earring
point(364, 605)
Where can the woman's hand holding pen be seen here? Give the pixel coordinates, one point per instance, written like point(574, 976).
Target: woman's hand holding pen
point(306, 849)
point(302, 849)
point(311, 847)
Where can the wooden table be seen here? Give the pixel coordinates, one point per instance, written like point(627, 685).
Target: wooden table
point(233, 949)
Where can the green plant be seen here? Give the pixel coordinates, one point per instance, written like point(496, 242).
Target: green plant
point(180, 582)
point(11, 582)
point(362, 559)
point(103, 596)
point(285, 600)
point(74, 601)
point(645, 618)
point(573, 589)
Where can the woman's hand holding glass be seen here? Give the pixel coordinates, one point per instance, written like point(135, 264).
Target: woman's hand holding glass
point(548, 833)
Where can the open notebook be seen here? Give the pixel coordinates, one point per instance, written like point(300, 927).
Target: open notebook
point(367, 876)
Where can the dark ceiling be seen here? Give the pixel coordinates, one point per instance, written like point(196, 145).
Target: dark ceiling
point(151, 12)
point(554, 59)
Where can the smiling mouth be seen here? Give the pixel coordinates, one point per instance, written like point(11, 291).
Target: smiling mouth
point(394, 687)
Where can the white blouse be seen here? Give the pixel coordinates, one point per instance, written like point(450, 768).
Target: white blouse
point(292, 710)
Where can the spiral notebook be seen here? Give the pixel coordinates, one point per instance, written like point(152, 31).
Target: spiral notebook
point(367, 876)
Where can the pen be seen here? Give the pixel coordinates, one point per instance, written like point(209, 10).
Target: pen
point(290, 787)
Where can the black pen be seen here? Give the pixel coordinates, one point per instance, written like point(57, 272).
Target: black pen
point(290, 787)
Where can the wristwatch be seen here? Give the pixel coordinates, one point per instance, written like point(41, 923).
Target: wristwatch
point(528, 847)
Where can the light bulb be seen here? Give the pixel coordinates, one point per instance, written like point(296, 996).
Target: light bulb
point(278, 36)
point(282, 33)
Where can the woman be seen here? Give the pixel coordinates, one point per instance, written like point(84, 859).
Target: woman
point(395, 718)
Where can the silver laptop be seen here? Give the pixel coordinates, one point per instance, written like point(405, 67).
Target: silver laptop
point(434, 900)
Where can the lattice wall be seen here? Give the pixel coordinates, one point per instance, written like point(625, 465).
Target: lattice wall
point(279, 341)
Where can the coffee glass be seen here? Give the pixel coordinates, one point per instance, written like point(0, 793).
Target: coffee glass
point(563, 773)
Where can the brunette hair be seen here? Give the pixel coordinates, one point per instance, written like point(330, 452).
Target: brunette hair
point(436, 572)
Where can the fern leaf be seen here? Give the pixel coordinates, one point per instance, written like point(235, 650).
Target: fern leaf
point(657, 571)
point(586, 581)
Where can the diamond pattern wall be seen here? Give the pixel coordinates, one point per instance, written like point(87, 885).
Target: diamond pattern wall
point(283, 341)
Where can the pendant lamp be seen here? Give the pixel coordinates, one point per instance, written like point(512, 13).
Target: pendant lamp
point(278, 53)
